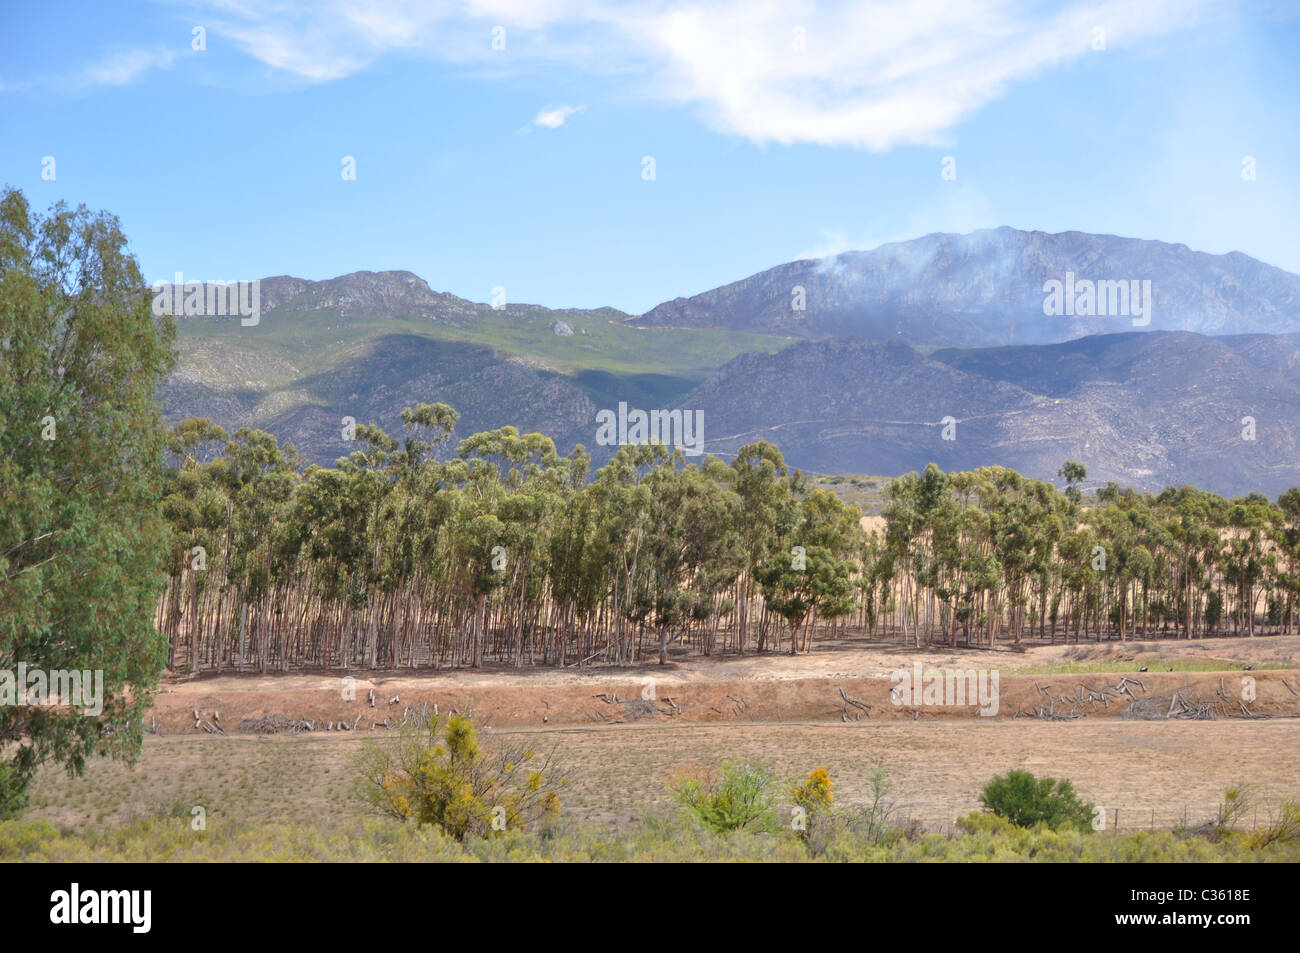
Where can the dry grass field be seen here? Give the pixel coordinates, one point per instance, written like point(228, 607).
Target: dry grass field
point(1154, 773)
point(786, 711)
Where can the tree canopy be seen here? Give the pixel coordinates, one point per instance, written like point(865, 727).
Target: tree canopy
point(509, 553)
point(82, 535)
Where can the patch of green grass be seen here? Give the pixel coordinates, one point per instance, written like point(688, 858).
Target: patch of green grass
point(315, 341)
point(283, 362)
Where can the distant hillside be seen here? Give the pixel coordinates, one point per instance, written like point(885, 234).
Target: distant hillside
point(1138, 407)
point(1145, 410)
point(365, 345)
point(986, 289)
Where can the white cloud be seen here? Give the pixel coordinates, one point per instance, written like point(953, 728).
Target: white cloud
point(870, 74)
point(877, 75)
point(553, 117)
point(123, 67)
point(323, 42)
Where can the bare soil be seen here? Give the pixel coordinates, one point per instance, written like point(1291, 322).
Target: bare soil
point(763, 689)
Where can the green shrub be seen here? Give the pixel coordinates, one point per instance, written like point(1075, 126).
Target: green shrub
point(741, 797)
point(656, 838)
point(872, 820)
point(436, 772)
point(1026, 801)
point(1284, 829)
point(1236, 804)
point(984, 823)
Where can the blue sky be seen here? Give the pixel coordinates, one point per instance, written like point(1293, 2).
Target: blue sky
point(522, 167)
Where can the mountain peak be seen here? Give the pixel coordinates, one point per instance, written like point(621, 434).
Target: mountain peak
point(987, 288)
point(358, 291)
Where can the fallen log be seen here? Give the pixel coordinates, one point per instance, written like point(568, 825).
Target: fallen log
point(856, 703)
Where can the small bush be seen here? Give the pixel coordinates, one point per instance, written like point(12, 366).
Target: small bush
point(873, 820)
point(813, 799)
point(814, 794)
point(984, 823)
point(740, 798)
point(1236, 804)
point(1285, 829)
point(437, 773)
point(1026, 801)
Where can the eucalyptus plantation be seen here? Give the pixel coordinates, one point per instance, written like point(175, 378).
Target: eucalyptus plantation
point(509, 554)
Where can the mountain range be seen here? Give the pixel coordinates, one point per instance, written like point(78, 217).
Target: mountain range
point(1143, 410)
point(987, 288)
point(861, 363)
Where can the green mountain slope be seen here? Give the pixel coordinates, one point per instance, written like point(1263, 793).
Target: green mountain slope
point(366, 345)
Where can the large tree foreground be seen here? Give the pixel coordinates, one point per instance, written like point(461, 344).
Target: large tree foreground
point(82, 536)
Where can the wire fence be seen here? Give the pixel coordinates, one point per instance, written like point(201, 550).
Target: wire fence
point(942, 816)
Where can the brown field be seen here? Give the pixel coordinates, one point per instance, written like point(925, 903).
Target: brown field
point(786, 711)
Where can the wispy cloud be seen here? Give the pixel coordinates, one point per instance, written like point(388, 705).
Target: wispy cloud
point(877, 75)
point(123, 67)
point(553, 117)
point(870, 74)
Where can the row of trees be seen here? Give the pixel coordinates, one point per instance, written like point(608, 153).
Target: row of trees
point(506, 553)
point(992, 551)
point(512, 554)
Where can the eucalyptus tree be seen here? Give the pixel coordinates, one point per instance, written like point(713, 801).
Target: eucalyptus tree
point(800, 586)
point(618, 554)
point(1126, 561)
point(1287, 536)
point(83, 539)
point(767, 499)
point(1073, 473)
point(667, 525)
point(903, 523)
point(712, 521)
point(195, 506)
point(807, 576)
point(1251, 520)
point(1193, 520)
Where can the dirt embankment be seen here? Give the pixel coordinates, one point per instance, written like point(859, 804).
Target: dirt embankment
point(323, 703)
